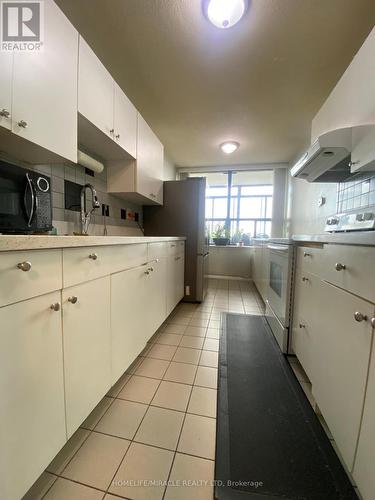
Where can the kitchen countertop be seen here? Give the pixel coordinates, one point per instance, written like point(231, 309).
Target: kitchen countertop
point(364, 238)
point(25, 242)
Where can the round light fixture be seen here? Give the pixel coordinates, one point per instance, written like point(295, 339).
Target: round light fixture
point(229, 147)
point(225, 13)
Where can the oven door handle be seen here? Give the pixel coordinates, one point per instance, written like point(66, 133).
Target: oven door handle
point(30, 211)
point(282, 248)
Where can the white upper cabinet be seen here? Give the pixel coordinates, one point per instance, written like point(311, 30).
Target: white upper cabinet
point(125, 122)
point(44, 101)
point(150, 160)
point(363, 151)
point(95, 90)
point(6, 65)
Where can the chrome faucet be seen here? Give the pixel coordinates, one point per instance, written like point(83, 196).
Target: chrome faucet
point(86, 214)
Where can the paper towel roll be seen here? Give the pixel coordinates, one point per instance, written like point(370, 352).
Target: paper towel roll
point(87, 161)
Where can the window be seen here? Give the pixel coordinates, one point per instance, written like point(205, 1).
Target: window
point(239, 202)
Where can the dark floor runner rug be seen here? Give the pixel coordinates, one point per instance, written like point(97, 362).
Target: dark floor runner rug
point(270, 444)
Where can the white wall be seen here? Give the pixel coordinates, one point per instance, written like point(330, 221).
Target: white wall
point(351, 102)
point(230, 261)
point(169, 173)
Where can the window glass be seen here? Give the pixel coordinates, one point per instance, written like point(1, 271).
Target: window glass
point(220, 206)
point(257, 190)
point(233, 208)
point(251, 208)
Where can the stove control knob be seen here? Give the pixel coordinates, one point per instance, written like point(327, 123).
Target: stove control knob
point(368, 216)
point(360, 217)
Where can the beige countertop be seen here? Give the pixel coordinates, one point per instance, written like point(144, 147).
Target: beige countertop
point(24, 242)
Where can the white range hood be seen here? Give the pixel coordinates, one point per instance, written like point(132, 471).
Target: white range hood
point(327, 159)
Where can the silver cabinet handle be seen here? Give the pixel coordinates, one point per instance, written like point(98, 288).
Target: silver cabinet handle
point(177, 258)
point(93, 256)
point(305, 279)
point(55, 306)
point(22, 124)
point(172, 246)
point(358, 316)
point(5, 113)
point(112, 131)
point(147, 272)
point(117, 136)
point(339, 266)
point(150, 269)
point(301, 325)
point(73, 299)
point(306, 254)
point(24, 266)
point(372, 321)
point(153, 195)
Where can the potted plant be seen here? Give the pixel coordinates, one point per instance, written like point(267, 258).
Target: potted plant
point(221, 235)
point(237, 237)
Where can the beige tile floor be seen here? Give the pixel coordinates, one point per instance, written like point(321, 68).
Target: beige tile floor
point(157, 425)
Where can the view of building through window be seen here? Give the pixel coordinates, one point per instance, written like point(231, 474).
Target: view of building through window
point(238, 204)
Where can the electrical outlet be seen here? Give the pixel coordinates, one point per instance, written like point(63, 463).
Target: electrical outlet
point(130, 215)
point(187, 290)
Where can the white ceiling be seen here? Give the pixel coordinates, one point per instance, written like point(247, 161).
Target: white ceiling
point(259, 83)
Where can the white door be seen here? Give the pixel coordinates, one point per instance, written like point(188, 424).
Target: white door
point(364, 466)
point(44, 102)
point(156, 295)
point(87, 348)
point(150, 158)
point(95, 90)
point(342, 357)
point(125, 122)
point(6, 65)
point(129, 317)
point(32, 412)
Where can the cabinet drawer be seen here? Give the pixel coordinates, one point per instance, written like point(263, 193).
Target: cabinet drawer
point(127, 256)
point(85, 264)
point(310, 260)
point(157, 250)
point(176, 247)
point(42, 274)
point(351, 268)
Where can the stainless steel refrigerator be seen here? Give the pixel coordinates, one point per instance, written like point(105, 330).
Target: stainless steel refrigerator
point(183, 214)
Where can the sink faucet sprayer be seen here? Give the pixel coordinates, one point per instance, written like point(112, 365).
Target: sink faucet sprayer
point(86, 214)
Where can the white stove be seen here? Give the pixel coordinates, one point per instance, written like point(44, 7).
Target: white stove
point(357, 221)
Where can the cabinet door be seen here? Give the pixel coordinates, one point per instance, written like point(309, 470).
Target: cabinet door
point(171, 283)
point(95, 90)
point(125, 122)
point(129, 318)
point(6, 65)
point(32, 412)
point(87, 348)
point(363, 155)
point(45, 88)
point(150, 158)
point(156, 295)
point(179, 278)
point(341, 364)
point(364, 467)
point(305, 329)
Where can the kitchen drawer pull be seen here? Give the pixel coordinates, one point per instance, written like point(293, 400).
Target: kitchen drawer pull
point(5, 113)
point(301, 325)
point(93, 256)
point(147, 272)
point(306, 254)
point(117, 136)
point(339, 266)
point(150, 269)
point(24, 266)
point(22, 124)
point(358, 316)
point(372, 321)
point(177, 258)
point(55, 306)
point(173, 245)
point(73, 299)
point(305, 279)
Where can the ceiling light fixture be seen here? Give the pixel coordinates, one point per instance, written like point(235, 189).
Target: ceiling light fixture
point(229, 147)
point(225, 13)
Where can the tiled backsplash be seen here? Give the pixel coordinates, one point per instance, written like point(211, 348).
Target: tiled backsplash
point(356, 194)
point(67, 221)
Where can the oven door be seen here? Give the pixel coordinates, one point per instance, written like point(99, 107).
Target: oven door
point(280, 265)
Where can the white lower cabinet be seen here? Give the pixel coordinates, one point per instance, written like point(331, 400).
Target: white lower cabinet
point(156, 294)
point(87, 348)
point(129, 317)
point(32, 415)
point(341, 358)
point(175, 280)
point(364, 466)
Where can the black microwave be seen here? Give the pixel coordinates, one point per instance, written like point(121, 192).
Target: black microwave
point(25, 200)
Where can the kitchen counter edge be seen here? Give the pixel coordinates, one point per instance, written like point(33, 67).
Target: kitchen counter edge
point(365, 238)
point(9, 243)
